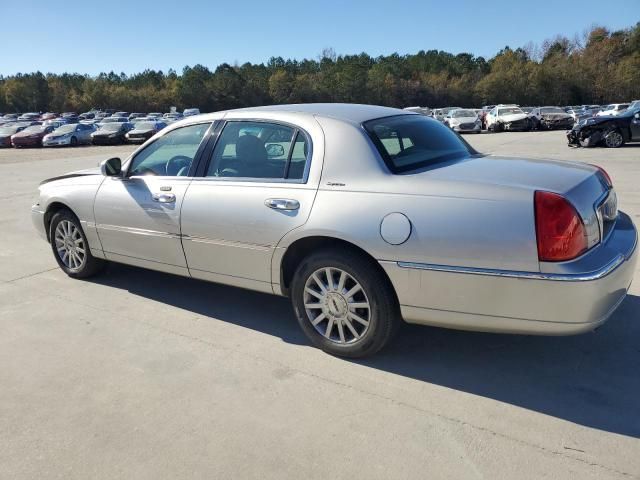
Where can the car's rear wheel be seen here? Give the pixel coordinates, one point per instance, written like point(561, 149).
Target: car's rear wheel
point(344, 304)
point(73, 141)
point(614, 139)
point(70, 246)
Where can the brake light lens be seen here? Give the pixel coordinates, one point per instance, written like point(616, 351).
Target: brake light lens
point(560, 231)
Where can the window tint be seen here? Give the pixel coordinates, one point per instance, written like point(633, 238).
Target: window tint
point(408, 142)
point(170, 155)
point(259, 150)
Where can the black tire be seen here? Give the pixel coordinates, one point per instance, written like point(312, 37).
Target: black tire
point(383, 313)
point(74, 142)
point(497, 127)
point(614, 139)
point(90, 265)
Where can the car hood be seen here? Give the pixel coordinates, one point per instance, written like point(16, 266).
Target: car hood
point(136, 131)
point(464, 119)
point(590, 121)
point(513, 117)
point(77, 173)
point(28, 134)
point(555, 116)
point(105, 134)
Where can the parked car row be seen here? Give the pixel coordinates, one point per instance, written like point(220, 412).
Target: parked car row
point(589, 125)
point(96, 127)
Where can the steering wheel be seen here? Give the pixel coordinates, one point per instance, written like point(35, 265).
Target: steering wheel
point(175, 164)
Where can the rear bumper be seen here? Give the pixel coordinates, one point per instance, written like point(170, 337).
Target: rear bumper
point(56, 142)
point(520, 302)
point(106, 141)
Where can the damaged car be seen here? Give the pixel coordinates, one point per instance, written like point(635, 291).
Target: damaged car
point(610, 131)
point(508, 118)
point(551, 118)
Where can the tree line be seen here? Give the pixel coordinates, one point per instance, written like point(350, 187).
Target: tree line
point(600, 67)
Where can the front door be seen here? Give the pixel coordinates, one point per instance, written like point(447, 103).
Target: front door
point(254, 191)
point(138, 215)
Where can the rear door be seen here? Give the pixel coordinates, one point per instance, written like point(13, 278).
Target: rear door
point(253, 191)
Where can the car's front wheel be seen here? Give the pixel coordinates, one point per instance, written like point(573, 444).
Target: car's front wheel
point(344, 303)
point(614, 139)
point(70, 246)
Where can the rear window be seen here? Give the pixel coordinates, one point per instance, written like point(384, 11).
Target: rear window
point(409, 142)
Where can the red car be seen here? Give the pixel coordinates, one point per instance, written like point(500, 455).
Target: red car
point(30, 136)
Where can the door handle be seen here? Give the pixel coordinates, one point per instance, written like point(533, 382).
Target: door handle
point(282, 203)
point(164, 197)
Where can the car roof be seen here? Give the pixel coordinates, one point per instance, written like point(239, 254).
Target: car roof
point(348, 112)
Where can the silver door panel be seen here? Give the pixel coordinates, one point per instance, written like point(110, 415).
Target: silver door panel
point(132, 224)
point(229, 230)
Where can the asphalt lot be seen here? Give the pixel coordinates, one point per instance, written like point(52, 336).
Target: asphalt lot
point(142, 375)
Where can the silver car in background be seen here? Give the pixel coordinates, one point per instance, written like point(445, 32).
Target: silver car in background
point(463, 120)
point(364, 216)
point(71, 134)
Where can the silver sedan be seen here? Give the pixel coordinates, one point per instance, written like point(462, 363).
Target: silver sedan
point(71, 134)
point(364, 216)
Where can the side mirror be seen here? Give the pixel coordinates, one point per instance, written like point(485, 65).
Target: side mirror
point(637, 116)
point(111, 167)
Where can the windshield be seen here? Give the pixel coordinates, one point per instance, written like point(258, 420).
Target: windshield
point(409, 142)
point(463, 113)
point(66, 129)
point(34, 129)
point(111, 127)
point(510, 111)
point(551, 110)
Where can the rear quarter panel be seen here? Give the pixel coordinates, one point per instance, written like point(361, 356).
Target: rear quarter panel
point(453, 223)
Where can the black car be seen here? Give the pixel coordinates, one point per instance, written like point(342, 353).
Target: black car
point(111, 134)
point(143, 131)
point(611, 131)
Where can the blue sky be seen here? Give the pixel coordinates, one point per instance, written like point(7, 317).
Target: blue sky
point(91, 36)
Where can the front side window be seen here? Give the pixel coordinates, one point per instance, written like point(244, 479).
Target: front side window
point(409, 142)
point(170, 155)
point(259, 150)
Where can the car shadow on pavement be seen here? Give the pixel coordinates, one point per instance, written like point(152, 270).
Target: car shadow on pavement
point(591, 379)
point(258, 311)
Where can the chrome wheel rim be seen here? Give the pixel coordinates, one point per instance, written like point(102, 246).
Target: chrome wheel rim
point(70, 245)
point(337, 305)
point(614, 140)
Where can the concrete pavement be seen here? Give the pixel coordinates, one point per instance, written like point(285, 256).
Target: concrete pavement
point(143, 375)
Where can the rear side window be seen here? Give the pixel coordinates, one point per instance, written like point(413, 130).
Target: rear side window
point(259, 150)
point(409, 142)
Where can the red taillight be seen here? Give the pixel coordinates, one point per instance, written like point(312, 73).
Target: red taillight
point(604, 174)
point(559, 228)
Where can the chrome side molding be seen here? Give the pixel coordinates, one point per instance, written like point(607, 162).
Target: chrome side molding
point(559, 277)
